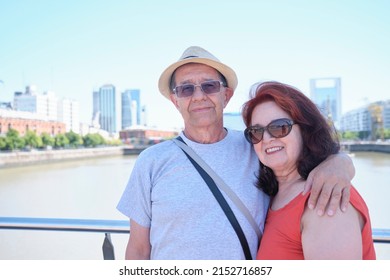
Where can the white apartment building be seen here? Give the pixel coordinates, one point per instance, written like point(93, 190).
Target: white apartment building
point(69, 113)
point(50, 106)
point(363, 119)
point(356, 120)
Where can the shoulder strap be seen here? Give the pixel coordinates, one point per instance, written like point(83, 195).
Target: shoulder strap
point(221, 184)
point(219, 197)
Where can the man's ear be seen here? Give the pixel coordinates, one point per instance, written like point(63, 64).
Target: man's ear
point(174, 100)
point(228, 94)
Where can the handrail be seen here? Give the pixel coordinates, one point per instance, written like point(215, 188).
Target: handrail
point(380, 235)
point(107, 226)
point(80, 225)
point(58, 224)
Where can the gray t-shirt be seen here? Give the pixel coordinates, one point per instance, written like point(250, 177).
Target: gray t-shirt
point(166, 193)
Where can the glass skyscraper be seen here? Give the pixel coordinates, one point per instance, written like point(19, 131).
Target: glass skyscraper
point(104, 106)
point(131, 108)
point(326, 94)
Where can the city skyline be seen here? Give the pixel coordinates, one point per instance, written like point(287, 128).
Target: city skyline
point(74, 48)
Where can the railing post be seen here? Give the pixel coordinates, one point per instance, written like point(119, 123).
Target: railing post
point(108, 248)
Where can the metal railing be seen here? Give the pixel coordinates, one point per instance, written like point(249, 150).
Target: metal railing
point(107, 227)
point(79, 225)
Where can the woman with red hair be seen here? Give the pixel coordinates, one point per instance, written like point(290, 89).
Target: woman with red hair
point(291, 137)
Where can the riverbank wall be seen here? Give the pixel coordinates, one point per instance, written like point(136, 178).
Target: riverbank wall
point(23, 158)
point(371, 147)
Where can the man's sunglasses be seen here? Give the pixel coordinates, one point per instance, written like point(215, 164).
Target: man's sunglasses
point(208, 87)
point(277, 128)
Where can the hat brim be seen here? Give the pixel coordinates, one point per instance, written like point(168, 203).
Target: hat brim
point(226, 71)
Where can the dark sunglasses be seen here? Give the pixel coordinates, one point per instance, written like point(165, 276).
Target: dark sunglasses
point(277, 128)
point(208, 87)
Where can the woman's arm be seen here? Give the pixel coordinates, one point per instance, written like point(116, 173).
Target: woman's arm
point(332, 238)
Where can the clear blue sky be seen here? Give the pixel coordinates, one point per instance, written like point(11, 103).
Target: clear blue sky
point(74, 47)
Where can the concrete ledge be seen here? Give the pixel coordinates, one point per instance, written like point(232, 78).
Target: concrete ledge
point(381, 148)
point(21, 158)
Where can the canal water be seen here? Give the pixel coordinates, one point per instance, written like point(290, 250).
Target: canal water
point(90, 189)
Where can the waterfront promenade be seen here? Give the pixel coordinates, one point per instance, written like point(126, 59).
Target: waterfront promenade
point(23, 158)
point(366, 147)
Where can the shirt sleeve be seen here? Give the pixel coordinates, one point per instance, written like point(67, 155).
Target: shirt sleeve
point(136, 202)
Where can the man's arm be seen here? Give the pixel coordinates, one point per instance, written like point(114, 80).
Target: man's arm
point(138, 247)
point(330, 184)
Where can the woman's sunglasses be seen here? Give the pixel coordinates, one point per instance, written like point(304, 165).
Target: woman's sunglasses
point(277, 128)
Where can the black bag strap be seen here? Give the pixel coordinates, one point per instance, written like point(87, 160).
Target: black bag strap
point(222, 202)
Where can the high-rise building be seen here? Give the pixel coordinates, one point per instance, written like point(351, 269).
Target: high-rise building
point(357, 120)
point(368, 120)
point(52, 105)
point(144, 116)
point(96, 103)
point(131, 108)
point(5, 105)
point(69, 113)
point(41, 104)
point(104, 103)
point(326, 94)
point(49, 107)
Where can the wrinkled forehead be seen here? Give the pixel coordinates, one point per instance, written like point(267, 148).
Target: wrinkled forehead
point(267, 111)
point(192, 71)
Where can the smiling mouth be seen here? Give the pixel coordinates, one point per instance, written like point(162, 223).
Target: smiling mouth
point(273, 150)
point(201, 109)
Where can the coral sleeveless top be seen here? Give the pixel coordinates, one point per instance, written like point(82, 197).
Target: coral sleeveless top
point(282, 234)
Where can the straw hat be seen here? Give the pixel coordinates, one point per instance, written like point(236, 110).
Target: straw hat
point(196, 54)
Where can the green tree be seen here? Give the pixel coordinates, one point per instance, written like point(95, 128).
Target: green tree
point(93, 140)
point(114, 142)
point(3, 143)
point(364, 135)
point(60, 141)
point(386, 133)
point(47, 140)
point(12, 133)
point(32, 140)
point(75, 140)
point(13, 141)
point(350, 135)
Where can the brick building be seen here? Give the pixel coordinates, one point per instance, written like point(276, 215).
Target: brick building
point(145, 135)
point(24, 121)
